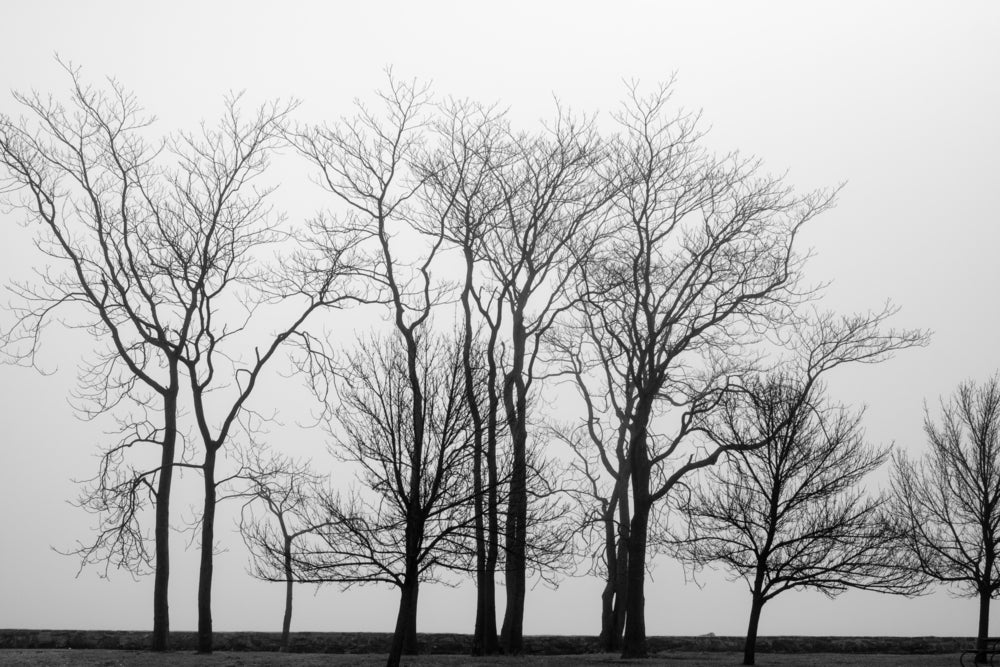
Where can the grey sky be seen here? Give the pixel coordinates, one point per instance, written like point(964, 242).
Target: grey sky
point(899, 99)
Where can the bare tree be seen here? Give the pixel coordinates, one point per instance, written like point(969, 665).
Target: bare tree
point(166, 262)
point(463, 190)
point(286, 490)
point(553, 195)
point(600, 482)
point(219, 225)
point(791, 514)
point(696, 244)
point(84, 172)
point(372, 163)
point(702, 263)
point(949, 502)
point(413, 516)
point(522, 208)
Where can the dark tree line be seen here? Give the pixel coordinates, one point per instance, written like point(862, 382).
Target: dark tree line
point(666, 284)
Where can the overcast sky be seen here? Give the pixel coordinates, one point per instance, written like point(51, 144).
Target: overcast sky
point(900, 100)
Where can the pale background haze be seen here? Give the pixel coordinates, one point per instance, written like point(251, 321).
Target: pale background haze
point(900, 100)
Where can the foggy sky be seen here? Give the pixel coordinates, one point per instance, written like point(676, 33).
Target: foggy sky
point(900, 101)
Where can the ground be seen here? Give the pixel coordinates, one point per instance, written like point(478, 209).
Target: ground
point(116, 658)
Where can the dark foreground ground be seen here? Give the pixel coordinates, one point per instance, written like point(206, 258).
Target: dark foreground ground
point(109, 648)
point(114, 658)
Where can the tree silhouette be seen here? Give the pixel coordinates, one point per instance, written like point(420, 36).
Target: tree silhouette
point(86, 173)
point(163, 247)
point(949, 502)
point(373, 164)
point(286, 492)
point(413, 515)
point(464, 191)
point(701, 263)
point(553, 195)
point(792, 514)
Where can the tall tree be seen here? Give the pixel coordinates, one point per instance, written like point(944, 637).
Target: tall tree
point(949, 502)
point(166, 262)
point(373, 164)
point(228, 221)
point(553, 192)
point(792, 514)
point(463, 189)
point(701, 264)
point(90, 180)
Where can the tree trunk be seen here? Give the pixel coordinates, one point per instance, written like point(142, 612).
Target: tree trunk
point(616, 550)
point(207, 553)
point(516, 403)
point(161, 607)
point(757, 593)
point(491, 640)
point(485, 639)
point(607, 639)
point(750, 646)
point(634, 641)
point(984, 624)
point(621, 586)
point(404, 638)
point(410, 646)
point(286, 623)
point(511, 634)
point(484, 577)
point(478, 638)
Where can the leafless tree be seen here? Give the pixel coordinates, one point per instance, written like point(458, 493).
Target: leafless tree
point(949, 502)
point(412, 517)
point(553, 194)
point(85, 173)
point(522, 208)
point(464, 191)
point(220, 226)
point(599, 479)
point(166, 262)
point(702, 263)
point(373, 163)
point(791, 514)
point(286, 490)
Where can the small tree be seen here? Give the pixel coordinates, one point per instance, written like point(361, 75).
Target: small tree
point(949, 502)
point(286, 490)
point(412, 514)
point(790, 515)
